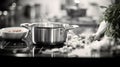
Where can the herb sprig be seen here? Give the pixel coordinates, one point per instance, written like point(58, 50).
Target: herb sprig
point(112, 16)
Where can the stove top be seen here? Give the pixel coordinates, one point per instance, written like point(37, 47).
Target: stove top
point(13, 47)
point(25, 48)
point(12, 44)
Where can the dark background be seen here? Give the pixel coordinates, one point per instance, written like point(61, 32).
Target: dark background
point(117, 1)
point(5, 4)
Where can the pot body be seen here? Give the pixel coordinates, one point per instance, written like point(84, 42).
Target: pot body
point(48, 35)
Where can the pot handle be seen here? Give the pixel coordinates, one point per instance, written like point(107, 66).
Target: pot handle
point(26, 25)
point(74, 26)
point(70, 27)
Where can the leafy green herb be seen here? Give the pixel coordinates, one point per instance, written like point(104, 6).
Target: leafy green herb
point(112, 16)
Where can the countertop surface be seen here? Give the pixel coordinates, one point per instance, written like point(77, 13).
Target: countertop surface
point(25, 48)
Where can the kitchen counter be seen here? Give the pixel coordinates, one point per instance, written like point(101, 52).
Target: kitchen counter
point(20, 49)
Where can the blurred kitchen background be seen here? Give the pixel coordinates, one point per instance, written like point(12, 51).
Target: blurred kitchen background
point(85, 13)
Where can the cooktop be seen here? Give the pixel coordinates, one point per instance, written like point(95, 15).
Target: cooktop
point(25, 48)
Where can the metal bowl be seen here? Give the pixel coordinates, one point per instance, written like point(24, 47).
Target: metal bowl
point(13, 32)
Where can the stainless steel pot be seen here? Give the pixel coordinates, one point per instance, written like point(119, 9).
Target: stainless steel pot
point(48, 33)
